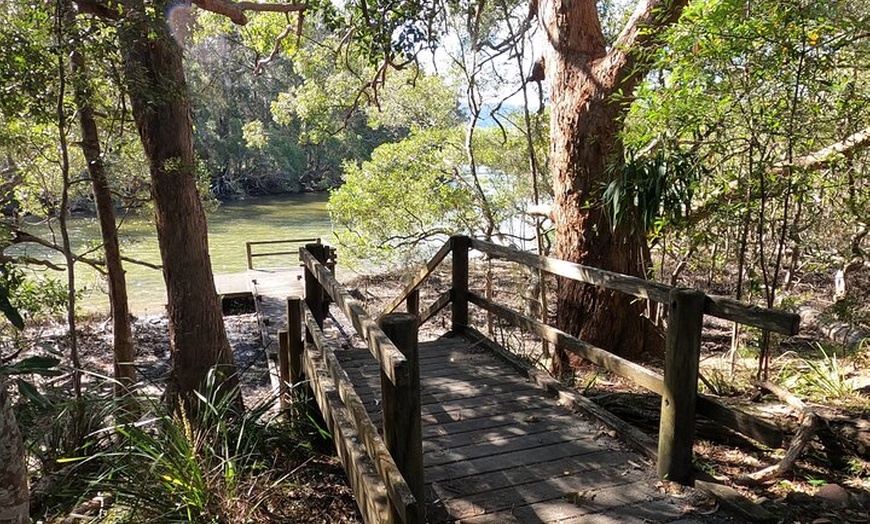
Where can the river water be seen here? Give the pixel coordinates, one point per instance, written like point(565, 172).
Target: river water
point(229, 227)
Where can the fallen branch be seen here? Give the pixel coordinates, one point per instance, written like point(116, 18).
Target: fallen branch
point(811, 424)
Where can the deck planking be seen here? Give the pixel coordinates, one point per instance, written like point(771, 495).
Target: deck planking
point(270, 289)
point(499, 450)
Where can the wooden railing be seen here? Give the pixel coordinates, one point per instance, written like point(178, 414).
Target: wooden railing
point(385, 473)
point(250, 255)
point(678, 387)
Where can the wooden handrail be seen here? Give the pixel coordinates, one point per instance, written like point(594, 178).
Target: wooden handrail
point(392, 362)
point(421, 276)
point(721, 307)
point(250, 255)
point(397, 487)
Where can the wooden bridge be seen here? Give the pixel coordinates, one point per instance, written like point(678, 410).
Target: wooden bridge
point(460, 430)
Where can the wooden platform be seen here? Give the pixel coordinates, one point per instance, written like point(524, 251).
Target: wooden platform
point(270, 289)
point(499, 450)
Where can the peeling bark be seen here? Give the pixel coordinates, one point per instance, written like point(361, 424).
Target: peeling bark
point(591, 90)
point(14, 494)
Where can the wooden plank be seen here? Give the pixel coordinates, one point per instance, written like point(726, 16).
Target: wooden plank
point(400, 493)
point(613, 462)
point(420, 277)
point(516, 459)
point(623, 500)
point(450, 451)
point(436, 307)
point(516, 420)
point(391, 360)
point(592, 484)
point(774, 320)
point(607, 279)
point(721, 307)
point(633, 436)
point(625, 368)
point(370, 491)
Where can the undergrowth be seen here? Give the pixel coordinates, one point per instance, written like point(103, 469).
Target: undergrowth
point(216, 465)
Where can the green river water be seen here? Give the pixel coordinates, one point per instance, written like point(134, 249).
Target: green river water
point(229, 227)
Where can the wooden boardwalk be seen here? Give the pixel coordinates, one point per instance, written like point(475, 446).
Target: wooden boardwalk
point(269, 289)
point(499, 450)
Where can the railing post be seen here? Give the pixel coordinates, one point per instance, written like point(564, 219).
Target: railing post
point(314, 293)
point(461, 246)
point(682, 353)
point(295, 343)
point(403, 431)
point(412, 303)
point(248, 254)
point(284, 372)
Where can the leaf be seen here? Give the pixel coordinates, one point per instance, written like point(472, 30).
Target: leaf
point(44, 366)
point(30, 392)
point(10, 311)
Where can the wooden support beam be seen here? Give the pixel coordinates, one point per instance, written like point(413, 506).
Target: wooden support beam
point(296, 343)
point(682, 355)
point(437, 306)
point(403, 429)
point(370, 491)
point(461, 246)
point(315, 297)
point(722, 307)
point(420, 276)
point(390, 359)
point(402, 500)
point(284, 372)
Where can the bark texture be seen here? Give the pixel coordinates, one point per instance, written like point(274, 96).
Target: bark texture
point(161, 108)
point(125, 372)
point(591, 89)
point(14, 494)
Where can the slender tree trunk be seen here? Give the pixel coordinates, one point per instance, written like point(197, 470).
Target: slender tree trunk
point(14, 494)
point(591, 90)
point(125, 372)
point(161, 108)
point(62, 34)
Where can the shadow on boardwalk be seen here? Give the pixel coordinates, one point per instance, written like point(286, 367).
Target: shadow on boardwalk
point(499, 450)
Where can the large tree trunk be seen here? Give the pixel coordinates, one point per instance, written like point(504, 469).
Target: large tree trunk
point(14, 494)
point(591, 88)
point(161, 107)
point(125, 372)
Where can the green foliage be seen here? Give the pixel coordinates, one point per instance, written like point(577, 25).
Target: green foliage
point(749, 88)
point(29, 297)
point(214, 466)
point(824, 378)
point(409, 192)
point(649, 191)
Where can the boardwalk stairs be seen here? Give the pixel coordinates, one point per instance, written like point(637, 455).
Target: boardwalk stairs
point(458, 429)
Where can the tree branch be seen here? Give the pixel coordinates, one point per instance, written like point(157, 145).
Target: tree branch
point(818, 159)
point(639, 34)
point(235, 11)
